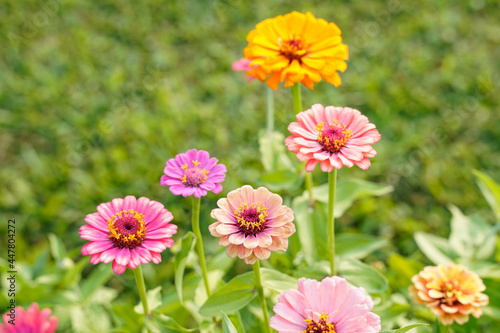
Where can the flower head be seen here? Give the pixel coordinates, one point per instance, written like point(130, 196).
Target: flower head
point(296, 48)
point(243, 65)
point(450, 291)
point(329, 306)
point(332, 136)
point(252, 223)
point(128, 232)
point(194, 173)
point(32, 320)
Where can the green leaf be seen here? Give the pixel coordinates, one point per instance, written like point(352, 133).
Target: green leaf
point(283, 180)
point(181, 257)
point(165, 324)
point(272, 150)
point(357, 245)
point(363, 275)
point(491, 191)
point(305, 230)
point(99, 276)
point(349, 190)
point(153, 298)
point(405, 329)
point(57, 247)
point(437, 249)
point(227, 325)
point(277, 281)
point(230, 297)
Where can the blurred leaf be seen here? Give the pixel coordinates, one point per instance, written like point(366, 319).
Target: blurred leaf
point(282, 180)
point(363, 275)
point(130, 319)
point(357, 245)
point(99, 276)
point(437, 249)
point(181, 257)
point(403, 269)
point(153, 298)
point(165, 324)
point(57, 247)
point(277, 281)
point(272, 150)
point(391, 310)
point(349, 190)
point(230, 297)
point(302, 217)
point(227, 325)
point(405, 329)
point(491, 191)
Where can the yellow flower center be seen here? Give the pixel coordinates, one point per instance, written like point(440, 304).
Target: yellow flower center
point(319, 326)
point(334, 137)
point(251, 219)
point(194, 176)
point(127, 229)
point(293, 48)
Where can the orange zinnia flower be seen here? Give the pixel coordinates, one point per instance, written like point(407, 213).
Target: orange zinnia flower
point(450, 291)
point(296, 48)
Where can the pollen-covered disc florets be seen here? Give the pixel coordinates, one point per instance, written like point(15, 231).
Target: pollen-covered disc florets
point(194, 176)
point(319, 324)
point(251, 219)
point(127, 229)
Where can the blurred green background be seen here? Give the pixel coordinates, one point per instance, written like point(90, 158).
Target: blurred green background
point(96, 96)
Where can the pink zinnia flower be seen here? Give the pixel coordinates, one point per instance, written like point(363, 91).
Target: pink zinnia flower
point(334, 136)
point(194, 173)
point(243, 65)
point(329, 306)
point(30, 321)
point(128, 232)
point(252, 223)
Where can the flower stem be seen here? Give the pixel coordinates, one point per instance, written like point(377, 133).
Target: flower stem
point(269, 109)
point(139, 279)
point(297, 98)
point(297, 106)
point(260, 291)
point(199, 241)
point(332, 179)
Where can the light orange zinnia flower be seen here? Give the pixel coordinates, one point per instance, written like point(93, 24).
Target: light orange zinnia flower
point(450, 291)
point(296, 48)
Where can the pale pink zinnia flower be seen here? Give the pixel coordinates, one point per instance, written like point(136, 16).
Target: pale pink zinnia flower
point(194, 173)
point(332, 136)
point(32, 320)
point(329, 306)
point(450, 291)
point(128, 232)
point(243, 65)
point(252, 223)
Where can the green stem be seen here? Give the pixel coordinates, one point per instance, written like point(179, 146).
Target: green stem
point(269, 109)
point(297, 99)
point(260, 291)
point(443, 328)
point(139, 279)
point(199, 241)
point(332, 179)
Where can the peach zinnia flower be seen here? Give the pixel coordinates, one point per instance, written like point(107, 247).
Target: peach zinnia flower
point(450, 291)
point(252, 223)
point(329, 306)
point(332, 136)
point(128, 232)
point(296, 48)
point(32, 320)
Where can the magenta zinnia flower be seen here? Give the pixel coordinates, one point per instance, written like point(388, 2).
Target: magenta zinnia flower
point(194, 173)
point(243, 65)
point(32, 320)
point(252, 223)
point(329, 306)
point(128, 232)
point(332, 136)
